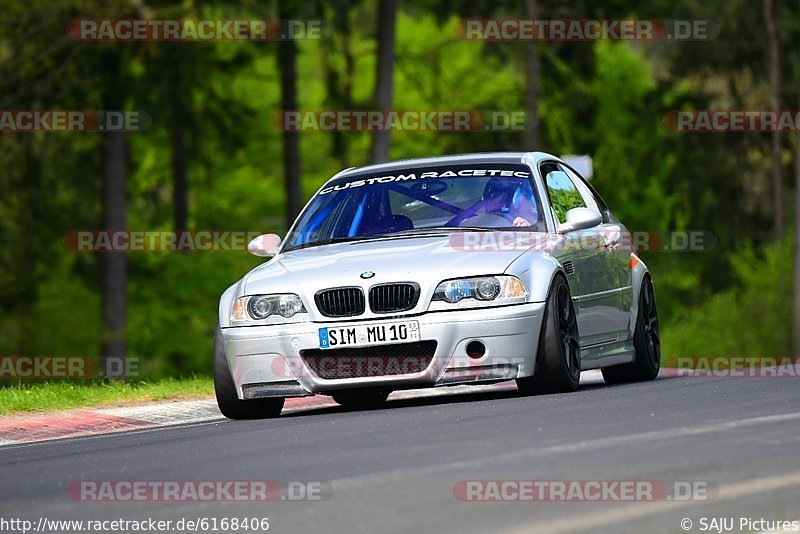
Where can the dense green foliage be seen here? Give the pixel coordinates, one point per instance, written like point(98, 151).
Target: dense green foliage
point(750, 318)
point(606, 99)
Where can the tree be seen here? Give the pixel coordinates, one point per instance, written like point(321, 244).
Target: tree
point(775, 104)
point(115, 272)
point(115, 268)
point(339, 84)
point(287, 63)
point(790, 34)
point(180, 186)
point(384, 80)
point(796, 278)
point(532, 69)
point(178, 86)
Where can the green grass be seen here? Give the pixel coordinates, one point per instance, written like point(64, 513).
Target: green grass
point(50, 396)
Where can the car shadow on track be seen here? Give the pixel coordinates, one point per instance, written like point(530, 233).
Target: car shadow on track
point(449, 398)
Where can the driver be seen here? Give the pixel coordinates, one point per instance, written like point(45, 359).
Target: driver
point(511, 197)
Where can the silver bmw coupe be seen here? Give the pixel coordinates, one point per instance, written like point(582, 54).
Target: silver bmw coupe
point(467, 269)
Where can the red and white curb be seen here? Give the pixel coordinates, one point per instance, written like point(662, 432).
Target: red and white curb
point(20, 429)
point(77, 423)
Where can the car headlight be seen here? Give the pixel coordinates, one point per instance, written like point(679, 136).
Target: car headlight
point(259, 307)
point(482, 290)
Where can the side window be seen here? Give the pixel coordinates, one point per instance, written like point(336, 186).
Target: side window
point(562, 191)
point(589, 195)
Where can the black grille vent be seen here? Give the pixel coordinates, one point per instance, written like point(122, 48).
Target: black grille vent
point(340, 302)
point(569, 268)
point(388, 298)
point(381, 360)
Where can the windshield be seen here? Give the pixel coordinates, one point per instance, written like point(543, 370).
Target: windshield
point(420, 200)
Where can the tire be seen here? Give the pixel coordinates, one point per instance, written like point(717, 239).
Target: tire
point(229, 403)
point(646, 343)
point(361, 400)
point(558, 358)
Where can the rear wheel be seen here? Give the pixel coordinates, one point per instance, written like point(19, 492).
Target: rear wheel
point(558, 359)
point(646, 343)
point(229, 403)
point(361, 400)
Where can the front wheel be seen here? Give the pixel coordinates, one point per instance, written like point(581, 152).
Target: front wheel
point(229, 403)
point(646, 343)
point(558, 358)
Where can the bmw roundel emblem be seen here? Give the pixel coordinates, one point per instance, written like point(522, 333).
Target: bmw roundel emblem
point(367, 274)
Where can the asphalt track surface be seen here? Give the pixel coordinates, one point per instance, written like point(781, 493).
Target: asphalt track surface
point(394, 469)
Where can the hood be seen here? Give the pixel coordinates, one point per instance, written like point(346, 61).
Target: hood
point(427, 260)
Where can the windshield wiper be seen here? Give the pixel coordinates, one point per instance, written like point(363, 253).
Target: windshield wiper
point(409, 232)
point(326, 242)
point(435, 229)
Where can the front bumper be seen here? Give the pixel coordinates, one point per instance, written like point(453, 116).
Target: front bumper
point(266, 361)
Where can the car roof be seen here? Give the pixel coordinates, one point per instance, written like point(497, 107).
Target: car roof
point(530, 158)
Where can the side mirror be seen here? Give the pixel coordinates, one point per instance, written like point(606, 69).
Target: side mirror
point(265, 245)
point(580, 218)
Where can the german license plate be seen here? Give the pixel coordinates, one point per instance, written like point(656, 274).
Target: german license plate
point(368, 334)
